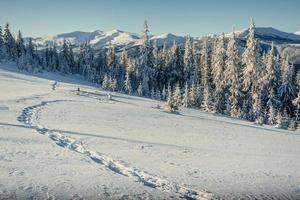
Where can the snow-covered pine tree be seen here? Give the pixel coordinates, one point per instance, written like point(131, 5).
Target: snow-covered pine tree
point(20, 46)
point(111, 60)
point(140, 90)
point(251, 72)
point(231, 76)
point(218, 67)
point(113, 84)
point(177, 97)
point(27, 61)
point(64, 58)
point(153, 94)
point(272, 112)
point(105, 82)
point(164, 93)
point(251, 60)
point(175, 65)
point(206, 77)
point(186, 96)
point(170, 104)
point(296, 102)
point(2, 47)
point(287, 91)
point(196, 73)
point(298, 80)
point(123, 66)
point(158, 95)
point(188, 60)
point(169, 90)
point(9, 43)
point(145, 62)
point(193, 96)
point(127, 84)
point(283, 119)
point(54, 59)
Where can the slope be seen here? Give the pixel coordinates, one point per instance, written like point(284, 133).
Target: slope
point(127, 148)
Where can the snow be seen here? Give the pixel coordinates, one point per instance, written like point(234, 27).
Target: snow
point(116, 37)
point(100, 39)
point(127, 147)
point(268, 33)
point(167, 38)
point(297, 33)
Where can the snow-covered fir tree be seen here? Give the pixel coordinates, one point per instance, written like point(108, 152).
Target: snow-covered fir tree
point(127, 84)
point(140, 90)
point(186, 96)
point(145, 62)
point(193, 96)
point(188, 60)
point(164, 93)
point(271, 109)
point(2, 47)
point(232, 78)
point(177, 96)
point(251, 74)
point(175, 65)
point(206, 78)
point(287, 91)
point(20, 46)
point(218, 67)
point(9, 43)
point(111, 61)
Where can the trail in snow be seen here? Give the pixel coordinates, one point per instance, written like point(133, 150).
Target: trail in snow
point(30, 117)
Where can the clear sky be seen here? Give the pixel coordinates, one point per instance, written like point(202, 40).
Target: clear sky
point(194, 17)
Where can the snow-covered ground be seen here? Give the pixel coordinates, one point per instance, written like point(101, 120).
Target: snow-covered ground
point(55, 143)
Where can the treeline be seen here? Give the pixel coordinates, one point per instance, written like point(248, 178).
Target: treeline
point(214, 74)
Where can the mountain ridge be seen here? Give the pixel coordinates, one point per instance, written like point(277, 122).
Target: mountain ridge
point(119, 38)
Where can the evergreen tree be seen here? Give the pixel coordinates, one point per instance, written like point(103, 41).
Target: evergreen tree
point(231, 74)
point(140, 90)
point(287, 90)
point(158, 95)
point(193, 96)
point(177, 96)
point(175, 65)
point(20, 47)
point(296, 102)
point(218, 67)
point(127, 84)
point(9, 42)
point(186, 96)
point(2, 47)
point(145, 62)
point(272, 112)
point(105, 83)
point(251, 73)
point(64, 58)
point(111, 60)
point(206, 78)
point(188, 60)
point(164, 93)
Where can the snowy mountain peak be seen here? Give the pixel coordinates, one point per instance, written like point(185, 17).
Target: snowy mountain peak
point(168, 39)
point(269, 34)
point(297, 33)
point(99, 39)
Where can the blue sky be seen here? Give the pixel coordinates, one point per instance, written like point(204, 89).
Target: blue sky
point(194, 17)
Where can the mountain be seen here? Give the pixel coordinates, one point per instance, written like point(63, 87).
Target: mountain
point(269, 34)
point(297, 33)
point(168, 39)
point(99, 39)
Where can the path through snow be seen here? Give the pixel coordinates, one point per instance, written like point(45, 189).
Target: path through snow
point(30, 117)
